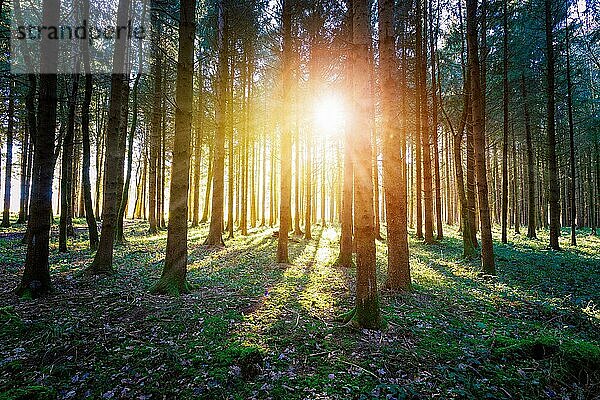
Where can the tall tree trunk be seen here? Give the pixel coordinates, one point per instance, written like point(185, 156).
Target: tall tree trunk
point(553, 186)
point(209, 184)
point(395, 197)
point(35, 280)
point(174, 272)
point(9, 155)
point(25, 149)
point(571, 138)
point(487, 247)
point(120, 235)
point(155, 121)
point(215, 233)
point(32, 134)
point(516, 185)
point(199, 136)
point(345, 256)
point(424, 116)
point(531, 214)
point(471, 198)
point(285, 215)
point(505, 100)
point(87, 188)
point(434, 128)
point(66, 182)
point(115, 153)
point(230, 149)
point(367, 301)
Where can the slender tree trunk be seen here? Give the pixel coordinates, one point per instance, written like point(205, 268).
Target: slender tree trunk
point(155, 121)
point(209, 184)
point(66, 182)
point(173, 279)
point(120, 235)
point(230, 149)
point(487, 247)
point(434, 127)
point(505, 101)
point(471, 194)
point(85, 131)
point(285, 215)
point(553, 185)
point(32, 134)
point(516, 186)
point(25, 149)
point(531, 214)
point(199, 136)
point(571, 140)
point(215, 233)
point(424, 116)
point(9, 155)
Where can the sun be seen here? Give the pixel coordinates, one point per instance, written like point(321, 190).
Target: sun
point(329, 114)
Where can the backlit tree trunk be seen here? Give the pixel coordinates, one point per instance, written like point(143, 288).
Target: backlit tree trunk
point(395, 199)
point(9, 155)
point(174, 272)
point(35, 280)
point(67, 168)
point(487, 247)
point(367, 301)
point(215, 233)
point(285, 215)
point(113, 162)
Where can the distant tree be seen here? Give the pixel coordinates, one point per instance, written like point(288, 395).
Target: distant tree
point(66, 182)
point(9, 152)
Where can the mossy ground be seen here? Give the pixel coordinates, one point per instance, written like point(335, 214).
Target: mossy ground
point(251, 328)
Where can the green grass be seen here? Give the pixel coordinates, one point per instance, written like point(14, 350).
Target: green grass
point(255, 329)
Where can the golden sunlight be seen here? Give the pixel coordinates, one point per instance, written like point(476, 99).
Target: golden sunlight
point(329, 113)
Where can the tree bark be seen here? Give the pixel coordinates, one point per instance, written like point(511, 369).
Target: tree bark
point(367, 300)
point(215, 233)
point(571, 139)
point(155, 121)
point(421, 31)
point(553, 186)
point(115, 149)
point(393, 152)
point(173, 279)
point(35, 280)
point(505, 100)
point(487, 247)
point(285, 215)
point(199, 136)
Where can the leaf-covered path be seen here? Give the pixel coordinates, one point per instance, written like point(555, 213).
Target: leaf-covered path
point(255, 329)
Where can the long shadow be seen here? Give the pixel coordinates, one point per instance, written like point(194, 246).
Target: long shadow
point(506, 289)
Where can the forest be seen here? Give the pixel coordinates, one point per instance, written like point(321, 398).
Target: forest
point(300, 199)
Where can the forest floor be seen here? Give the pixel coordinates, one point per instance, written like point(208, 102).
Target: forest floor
point(255, 329)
